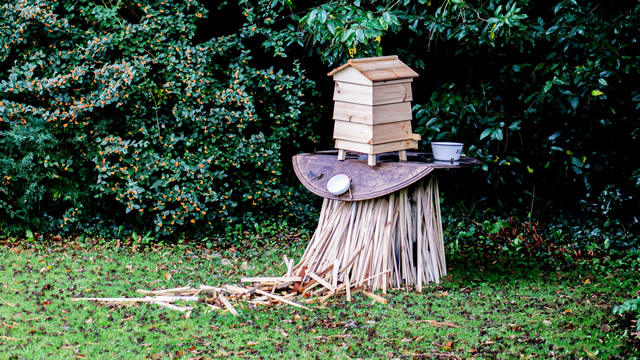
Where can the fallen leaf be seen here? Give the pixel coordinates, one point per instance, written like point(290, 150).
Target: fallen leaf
point(167, 275)
point(589, 354)
point(252, 343)
point(376, 298)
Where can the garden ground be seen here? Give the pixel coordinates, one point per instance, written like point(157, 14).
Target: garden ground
point(478, 310)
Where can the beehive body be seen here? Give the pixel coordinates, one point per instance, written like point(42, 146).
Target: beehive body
point(372, 106)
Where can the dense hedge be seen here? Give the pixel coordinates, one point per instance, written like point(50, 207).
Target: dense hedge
point(119, 113)
point(544, 93)
point(182, 115)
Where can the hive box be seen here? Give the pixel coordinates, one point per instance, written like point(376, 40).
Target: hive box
point(372, 107)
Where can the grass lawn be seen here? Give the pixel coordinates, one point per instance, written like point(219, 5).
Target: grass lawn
point(475, 312)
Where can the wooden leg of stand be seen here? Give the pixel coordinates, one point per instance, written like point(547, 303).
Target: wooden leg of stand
point(402, 155)
point(371, 160)
point(342, 154)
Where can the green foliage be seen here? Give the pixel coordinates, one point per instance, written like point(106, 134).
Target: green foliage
point(121, 113)
point(156, 116)
point(543, 93)
point(631, 306)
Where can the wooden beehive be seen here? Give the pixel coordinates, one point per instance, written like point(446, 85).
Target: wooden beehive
point(372, 107)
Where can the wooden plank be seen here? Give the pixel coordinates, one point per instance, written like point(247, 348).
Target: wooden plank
point(281, 299)
point(236, 289)
point(353, 93)
point(359, 61)
point(173, 291)
point(271, 279)
point(210, 288)
point(348, 287)
point(379, 64)
point(147, 299)
point(389, 82)
point(390, 73)
point(372, 95)
point(372, 134)
point(372, 115)
point(375, 297)
point(321, 281)
point(393, 93)
point(376, 148)
point(173, 307)
point(228, 305)
point(352, 75)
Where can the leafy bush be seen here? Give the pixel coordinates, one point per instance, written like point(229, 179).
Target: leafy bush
point(158, 115)
point(543, 93)
point(631, 307)
point(120, 113)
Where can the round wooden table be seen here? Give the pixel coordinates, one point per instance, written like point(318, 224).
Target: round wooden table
point(386, 231)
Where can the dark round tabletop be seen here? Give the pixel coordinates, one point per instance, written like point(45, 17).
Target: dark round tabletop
point(367, 182)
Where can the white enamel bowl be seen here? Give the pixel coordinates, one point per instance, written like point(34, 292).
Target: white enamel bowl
point(446, 151)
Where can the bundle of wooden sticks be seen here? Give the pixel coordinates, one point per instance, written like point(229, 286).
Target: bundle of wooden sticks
point(390, 241)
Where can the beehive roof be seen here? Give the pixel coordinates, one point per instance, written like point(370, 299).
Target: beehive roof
point(381, 68)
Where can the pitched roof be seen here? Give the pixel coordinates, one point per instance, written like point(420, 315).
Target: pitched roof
point(379, 68)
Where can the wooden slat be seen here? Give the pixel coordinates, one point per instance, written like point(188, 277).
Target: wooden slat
point(271, 279)
point(372, 115)
point(373, 65)
point(228, 305)
point(372, 95)
point(371, 59)
point(281, 299)
point(393, 93)
point(352, 75)
point(353, 93)
point(146, 299)
point(372, 134)
point(321, 281)
point(390, 73)
point(351, 62)
point(377, 148)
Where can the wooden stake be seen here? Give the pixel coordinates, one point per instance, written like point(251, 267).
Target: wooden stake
point(173, 307)
point(227, 304)
point(146, 299)
point(281, 299)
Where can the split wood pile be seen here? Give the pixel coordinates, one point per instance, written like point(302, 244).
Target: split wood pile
point(358, 246)
point(391, 241)
point(262, 291)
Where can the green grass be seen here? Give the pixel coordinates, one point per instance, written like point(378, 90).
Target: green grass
point(493, 312)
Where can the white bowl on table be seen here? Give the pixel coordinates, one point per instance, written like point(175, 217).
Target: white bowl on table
point(446, 151)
